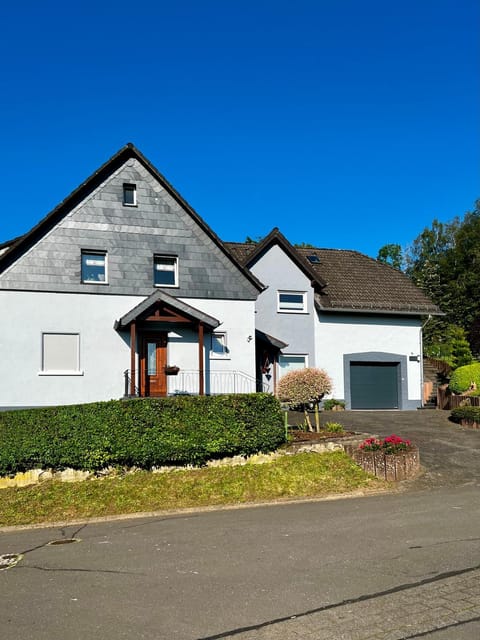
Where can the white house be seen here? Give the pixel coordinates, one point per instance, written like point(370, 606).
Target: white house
point(341, 311)
point(123, 289)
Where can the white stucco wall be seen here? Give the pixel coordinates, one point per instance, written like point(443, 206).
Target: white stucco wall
point(237, 318)
point(104, 353)
point(277, 270)
point(339, 334)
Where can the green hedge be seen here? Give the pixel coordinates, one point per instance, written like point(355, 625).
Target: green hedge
point(466, 413)
point(463, 377)
point(142, 433)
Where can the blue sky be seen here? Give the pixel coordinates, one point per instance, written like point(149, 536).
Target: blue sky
point(347, 124)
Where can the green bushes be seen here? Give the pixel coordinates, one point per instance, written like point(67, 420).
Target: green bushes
point(333, 405)
point(463, 377)
point(143, 433)
point(334, 427)
point(471, 414)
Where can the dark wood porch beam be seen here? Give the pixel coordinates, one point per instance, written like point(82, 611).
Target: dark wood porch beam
point(133, 340)
point(201, 384)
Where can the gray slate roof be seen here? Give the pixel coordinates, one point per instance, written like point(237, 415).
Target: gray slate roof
point(348, 280)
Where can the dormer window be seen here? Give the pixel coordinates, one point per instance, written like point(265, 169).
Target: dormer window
point(130, 195)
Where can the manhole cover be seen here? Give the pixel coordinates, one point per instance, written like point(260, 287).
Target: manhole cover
point(63, 541)
point(9, 560)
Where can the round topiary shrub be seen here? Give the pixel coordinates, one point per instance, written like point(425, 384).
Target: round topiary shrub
point(463, 378)
point(304, 386)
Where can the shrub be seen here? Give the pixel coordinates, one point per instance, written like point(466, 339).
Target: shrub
point(472, 414)
point(447, 342)
point(334, 427)
point(463, 377)
point(142, 433)
point(331, 404)
point(304, 386)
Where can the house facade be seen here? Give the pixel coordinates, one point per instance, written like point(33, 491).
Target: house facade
point(123, 290)
point(344, 312)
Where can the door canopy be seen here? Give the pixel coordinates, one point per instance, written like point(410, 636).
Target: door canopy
point(160, 307)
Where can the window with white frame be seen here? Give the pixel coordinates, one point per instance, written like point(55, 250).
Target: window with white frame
point(94, 266)
point(61, 353)
point(130, 195)
point(292, 301)
point(165, 271)
point(287, 363)
point(219, 348)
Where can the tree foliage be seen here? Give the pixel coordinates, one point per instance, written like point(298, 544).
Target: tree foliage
point(304, 386)
point(444, 260)
point(391, 254)
point(447, 342)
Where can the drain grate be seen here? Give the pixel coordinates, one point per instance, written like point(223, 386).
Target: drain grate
point(63, 541)
point(9, 560)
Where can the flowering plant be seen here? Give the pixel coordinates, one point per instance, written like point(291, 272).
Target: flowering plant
point(390, 445)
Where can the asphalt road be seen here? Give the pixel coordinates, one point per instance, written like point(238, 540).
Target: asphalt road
point(397, 566)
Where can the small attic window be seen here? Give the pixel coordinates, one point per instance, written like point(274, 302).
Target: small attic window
point(130, 195)
point(313, 258)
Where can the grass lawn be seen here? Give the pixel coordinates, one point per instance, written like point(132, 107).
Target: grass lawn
point(303, 475)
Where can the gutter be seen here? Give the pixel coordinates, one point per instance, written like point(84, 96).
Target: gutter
point(417, 312)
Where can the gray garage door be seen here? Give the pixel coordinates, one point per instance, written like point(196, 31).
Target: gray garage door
point(374, 385)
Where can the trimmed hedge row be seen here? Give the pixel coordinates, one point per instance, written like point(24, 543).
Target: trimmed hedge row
point(142, 433)
point(472, 414)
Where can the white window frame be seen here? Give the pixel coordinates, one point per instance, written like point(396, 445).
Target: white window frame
point(59, 372)
point(94, 252)
point(285, 308)
point(281, 373)
point(215, 355)
point(128, 186)
point(158, 257)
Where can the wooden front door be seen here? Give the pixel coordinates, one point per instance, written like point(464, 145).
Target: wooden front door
point(153, 360)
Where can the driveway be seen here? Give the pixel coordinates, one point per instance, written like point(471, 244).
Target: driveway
point(449, 453)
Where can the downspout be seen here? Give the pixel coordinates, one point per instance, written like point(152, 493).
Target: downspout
point(422, 381)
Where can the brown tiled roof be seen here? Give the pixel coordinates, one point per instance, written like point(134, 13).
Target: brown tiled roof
point(351, 281)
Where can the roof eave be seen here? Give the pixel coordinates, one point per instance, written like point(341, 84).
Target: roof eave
point(377, 311)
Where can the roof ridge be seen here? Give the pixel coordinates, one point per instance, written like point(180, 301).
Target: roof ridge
point(125, 153)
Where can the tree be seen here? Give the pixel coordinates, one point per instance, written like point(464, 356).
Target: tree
point(447, 342)
point(391, 254)
point(444, 260)
point(304, 386)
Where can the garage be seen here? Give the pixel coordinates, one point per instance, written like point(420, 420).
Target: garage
point(374, 385)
